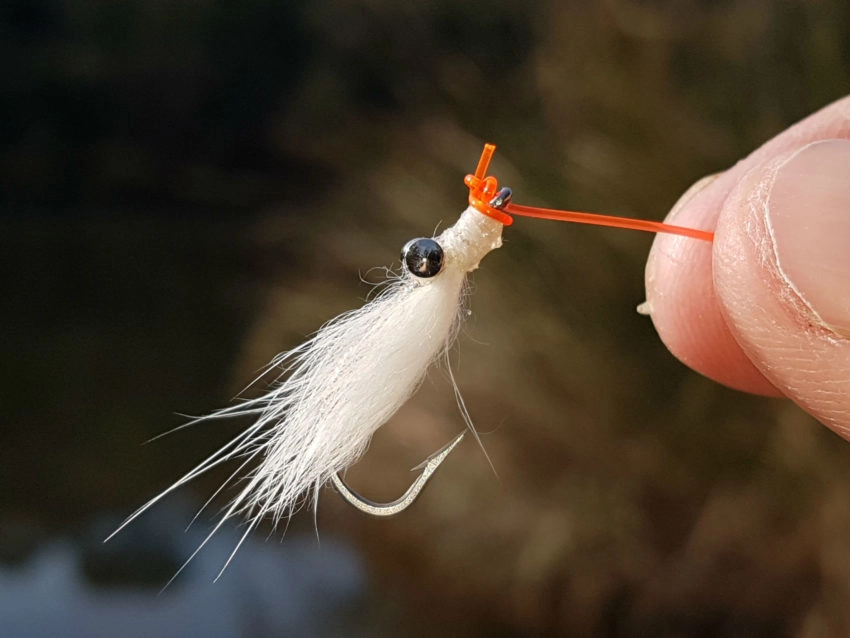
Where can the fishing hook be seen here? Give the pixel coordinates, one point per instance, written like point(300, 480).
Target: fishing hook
point(405, 500)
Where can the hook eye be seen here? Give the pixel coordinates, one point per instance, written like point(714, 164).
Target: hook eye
point(502, 198)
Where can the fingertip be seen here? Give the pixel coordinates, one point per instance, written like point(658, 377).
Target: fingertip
point(766, 308)
point(681, 299)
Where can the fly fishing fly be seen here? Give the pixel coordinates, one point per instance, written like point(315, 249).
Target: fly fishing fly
point(350, 377)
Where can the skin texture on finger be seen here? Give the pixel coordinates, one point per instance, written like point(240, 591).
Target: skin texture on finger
point(683, 304)
point(782, 275)
point(681, 296)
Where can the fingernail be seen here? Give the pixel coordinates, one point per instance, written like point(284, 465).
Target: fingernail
point(808, 217)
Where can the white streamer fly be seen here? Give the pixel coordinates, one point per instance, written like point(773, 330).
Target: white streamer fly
point(347, 380)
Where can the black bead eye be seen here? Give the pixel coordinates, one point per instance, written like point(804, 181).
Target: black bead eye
point(423, 257)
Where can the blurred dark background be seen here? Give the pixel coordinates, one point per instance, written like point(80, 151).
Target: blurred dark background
point(187, 188)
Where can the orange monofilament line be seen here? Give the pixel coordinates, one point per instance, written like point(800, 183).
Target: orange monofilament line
point(607, 220)
point(480, 192)
point(484, 162)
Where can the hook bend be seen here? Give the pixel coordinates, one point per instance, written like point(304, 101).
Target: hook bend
point(405, 500)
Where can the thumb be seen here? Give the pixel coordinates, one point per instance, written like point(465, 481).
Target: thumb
point(781, 271)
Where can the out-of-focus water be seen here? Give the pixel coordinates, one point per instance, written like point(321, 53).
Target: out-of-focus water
point(78, 586)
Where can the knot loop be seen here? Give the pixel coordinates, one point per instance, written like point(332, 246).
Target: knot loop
point(482, 190)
